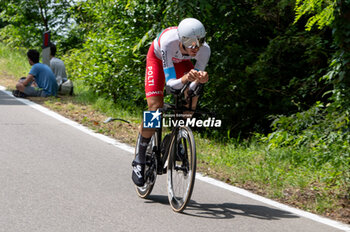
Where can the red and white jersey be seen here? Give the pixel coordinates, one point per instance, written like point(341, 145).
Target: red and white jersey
point(167, 49)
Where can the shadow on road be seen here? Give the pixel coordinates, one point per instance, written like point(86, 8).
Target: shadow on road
point(227, 210)
point(8, 100)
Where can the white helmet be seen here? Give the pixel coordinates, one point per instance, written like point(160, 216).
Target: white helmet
point(191, 33)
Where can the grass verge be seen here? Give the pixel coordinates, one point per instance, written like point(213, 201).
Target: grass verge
point(13, 65)
point(247, 164)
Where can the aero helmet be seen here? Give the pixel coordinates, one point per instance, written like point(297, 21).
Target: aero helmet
point(191, 33)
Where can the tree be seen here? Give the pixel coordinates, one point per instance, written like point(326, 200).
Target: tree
point(27, 20)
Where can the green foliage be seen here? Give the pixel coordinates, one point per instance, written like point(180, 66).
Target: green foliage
point(113, 64)
point(321, 12)
point(273, 66)
point(24, 22)
point(318, 138)
point(263, 62)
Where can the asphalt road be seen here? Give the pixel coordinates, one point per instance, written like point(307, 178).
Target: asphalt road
point(54, 177)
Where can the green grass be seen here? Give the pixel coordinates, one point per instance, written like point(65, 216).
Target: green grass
point(13, 61)
point(273, 173)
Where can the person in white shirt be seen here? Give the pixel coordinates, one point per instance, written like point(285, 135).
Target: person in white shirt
point(57, 66)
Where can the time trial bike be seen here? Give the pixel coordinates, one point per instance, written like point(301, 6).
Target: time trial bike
point(173, 154)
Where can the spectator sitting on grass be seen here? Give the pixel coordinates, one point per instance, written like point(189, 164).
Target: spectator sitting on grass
point(40, 82)
point(57, 66)
point(65, 86)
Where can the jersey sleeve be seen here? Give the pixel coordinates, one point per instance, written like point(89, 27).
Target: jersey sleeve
point(167, 48)
point(34, 70)
point(202, 57)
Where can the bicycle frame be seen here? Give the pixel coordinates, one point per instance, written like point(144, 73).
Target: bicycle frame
point(177, 107)
point(162, 158)
point(165, 156)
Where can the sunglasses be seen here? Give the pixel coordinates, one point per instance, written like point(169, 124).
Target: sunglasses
point(193, 43)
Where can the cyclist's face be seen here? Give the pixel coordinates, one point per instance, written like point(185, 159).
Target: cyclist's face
point(192, 51)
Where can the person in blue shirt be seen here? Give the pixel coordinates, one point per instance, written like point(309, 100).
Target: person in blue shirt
point(40, 82)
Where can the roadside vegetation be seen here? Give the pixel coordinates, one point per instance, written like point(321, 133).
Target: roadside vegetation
point(285, 165)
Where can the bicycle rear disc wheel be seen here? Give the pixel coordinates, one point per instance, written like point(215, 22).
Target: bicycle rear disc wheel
point(181, 169)
point(150, 169)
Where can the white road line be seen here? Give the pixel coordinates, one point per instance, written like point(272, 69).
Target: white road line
point(125, 147)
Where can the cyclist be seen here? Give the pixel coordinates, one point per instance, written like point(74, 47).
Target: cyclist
point(169, 61)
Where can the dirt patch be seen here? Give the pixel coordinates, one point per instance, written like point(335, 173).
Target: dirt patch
point(7, 80)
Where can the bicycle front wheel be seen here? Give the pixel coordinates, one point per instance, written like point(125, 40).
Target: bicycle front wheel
point(181, 169)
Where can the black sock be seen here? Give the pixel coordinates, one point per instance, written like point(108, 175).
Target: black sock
point(141, 157)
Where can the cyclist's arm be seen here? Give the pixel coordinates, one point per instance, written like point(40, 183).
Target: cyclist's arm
point(179, 83)
point(202, 57)
point(175, 83)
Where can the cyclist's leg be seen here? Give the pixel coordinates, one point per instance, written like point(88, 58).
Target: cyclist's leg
point(154, 85)
point(154, 103)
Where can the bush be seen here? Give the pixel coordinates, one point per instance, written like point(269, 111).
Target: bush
point(324, 136)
